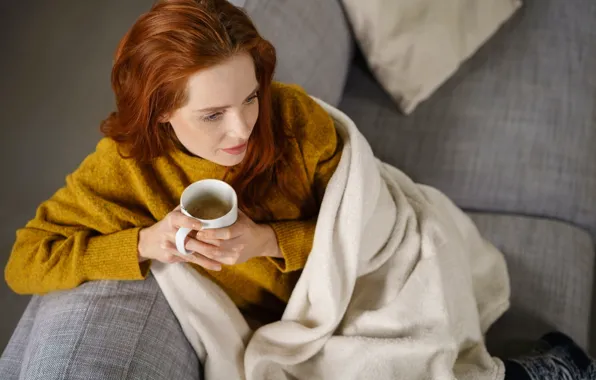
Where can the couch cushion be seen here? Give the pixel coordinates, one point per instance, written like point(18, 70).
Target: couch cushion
point(313, 43)
point(551, 270)
point(514, 130)
point(413, 46)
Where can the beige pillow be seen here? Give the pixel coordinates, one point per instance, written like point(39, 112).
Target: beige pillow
point(413, 46)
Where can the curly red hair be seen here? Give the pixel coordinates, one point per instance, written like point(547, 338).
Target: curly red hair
point(153, 62)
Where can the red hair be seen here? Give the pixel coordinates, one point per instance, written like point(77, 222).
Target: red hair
point(153, 62)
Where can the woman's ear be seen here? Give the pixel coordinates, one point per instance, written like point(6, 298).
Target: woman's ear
point(164, 119)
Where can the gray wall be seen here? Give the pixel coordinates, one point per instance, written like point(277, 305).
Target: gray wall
point(54, 92)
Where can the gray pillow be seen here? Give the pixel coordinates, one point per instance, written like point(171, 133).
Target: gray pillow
point(312, 39)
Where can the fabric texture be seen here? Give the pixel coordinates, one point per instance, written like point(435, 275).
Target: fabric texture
point(103, 330)
point(399, 284)
point(413, 46)
point(551, 268)
point(89, 229)
point(557, 357)
point(513, 131)
point(312, 40)
point(238, 3)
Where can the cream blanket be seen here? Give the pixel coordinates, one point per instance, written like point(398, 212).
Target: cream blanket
point(399, 285)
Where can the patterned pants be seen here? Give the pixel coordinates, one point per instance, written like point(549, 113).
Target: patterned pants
point(557, 357)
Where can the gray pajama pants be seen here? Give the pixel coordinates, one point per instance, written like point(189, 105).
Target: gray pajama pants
point(103, 330)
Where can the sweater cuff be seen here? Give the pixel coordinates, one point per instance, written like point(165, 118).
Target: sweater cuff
point(115, 257)
point(295, 240)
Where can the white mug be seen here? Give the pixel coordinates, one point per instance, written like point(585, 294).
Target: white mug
point(199, 189)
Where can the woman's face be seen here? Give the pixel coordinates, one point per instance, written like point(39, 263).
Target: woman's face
point(221, 111)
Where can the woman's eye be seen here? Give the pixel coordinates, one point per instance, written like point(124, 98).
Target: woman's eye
point(213, 117)
point(252, 99)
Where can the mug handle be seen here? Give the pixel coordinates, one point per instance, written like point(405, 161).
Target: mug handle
point(181, 235)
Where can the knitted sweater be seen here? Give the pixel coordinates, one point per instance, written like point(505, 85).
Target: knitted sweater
point(89, 229)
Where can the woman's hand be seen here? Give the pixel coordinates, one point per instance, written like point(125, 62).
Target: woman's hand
point(158, 242)
point(240, 242)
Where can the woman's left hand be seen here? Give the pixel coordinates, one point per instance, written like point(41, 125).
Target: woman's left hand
point(240, 242)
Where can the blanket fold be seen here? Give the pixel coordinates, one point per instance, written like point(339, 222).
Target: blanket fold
point(399, 285)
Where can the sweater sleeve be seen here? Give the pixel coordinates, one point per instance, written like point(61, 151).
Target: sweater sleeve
point(88, 230)
point(295, 240)
point(321, 151)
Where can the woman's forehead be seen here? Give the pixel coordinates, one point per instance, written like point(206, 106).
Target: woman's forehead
point(225, 84)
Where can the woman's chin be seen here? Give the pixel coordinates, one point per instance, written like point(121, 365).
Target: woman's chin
point(226, 159)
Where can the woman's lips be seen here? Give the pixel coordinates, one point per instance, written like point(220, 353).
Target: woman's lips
point(235, 150)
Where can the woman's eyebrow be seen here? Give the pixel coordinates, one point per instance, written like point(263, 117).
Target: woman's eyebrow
point(220, 108)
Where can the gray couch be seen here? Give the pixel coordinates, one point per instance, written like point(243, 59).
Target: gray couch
point(511, 137)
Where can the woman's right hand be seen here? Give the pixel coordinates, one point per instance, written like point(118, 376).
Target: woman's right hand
point(158, 242)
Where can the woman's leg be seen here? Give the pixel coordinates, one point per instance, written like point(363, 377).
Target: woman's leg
point(557, 358)
point(101, 330)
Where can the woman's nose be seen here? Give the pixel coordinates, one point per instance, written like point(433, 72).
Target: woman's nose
point(240, 127)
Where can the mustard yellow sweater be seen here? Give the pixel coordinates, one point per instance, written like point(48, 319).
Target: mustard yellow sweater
point(88, 230)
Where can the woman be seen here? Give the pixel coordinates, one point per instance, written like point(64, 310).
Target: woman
point(195, 100)
point(189, 110)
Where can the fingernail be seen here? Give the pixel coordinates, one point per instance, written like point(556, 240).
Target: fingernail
point(217, 268)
